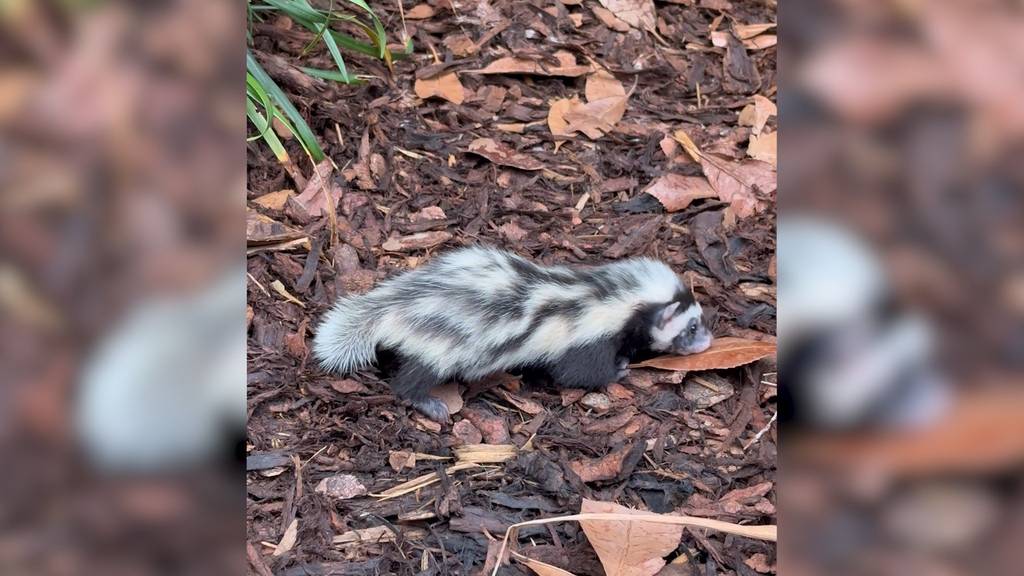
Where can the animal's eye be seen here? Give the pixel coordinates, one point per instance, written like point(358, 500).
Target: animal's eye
point(693, 328)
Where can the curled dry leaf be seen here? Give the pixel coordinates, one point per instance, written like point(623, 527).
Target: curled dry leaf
point(556, 115)
point(445, 86)
point(566, 66)
point(636, 13)
point(419, 241)
point(757, 113)
point(764, 147)
point(748, 31)
point(503, 155)
point(607, 467)
point(628, 548)
point(726, 352)
point(320, 196)
point(676, 192)
point(449, 394)
point(744, 185)
point(274, 200)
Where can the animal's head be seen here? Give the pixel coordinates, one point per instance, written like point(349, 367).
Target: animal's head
point(679, 328)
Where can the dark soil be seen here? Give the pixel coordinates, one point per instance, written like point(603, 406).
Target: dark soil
point(398, 155)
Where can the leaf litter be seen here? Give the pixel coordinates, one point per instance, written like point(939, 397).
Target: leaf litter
point(415, 171)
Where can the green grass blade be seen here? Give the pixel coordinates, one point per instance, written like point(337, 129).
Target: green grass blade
point(302, 130)
point(266, 132)
point(330, 75)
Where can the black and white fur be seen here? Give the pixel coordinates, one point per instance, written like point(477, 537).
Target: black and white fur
point(477, 311)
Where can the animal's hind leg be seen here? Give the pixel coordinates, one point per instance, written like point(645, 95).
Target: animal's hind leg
point(413, 382)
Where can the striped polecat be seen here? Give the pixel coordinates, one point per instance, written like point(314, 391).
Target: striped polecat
point(476, 311)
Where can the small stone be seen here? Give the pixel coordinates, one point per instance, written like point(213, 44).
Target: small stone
point(466, 433)
point(596, 401)
point(342, 486)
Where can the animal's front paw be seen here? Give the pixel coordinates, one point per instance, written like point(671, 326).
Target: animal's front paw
point(623, 368)
point(433, 408)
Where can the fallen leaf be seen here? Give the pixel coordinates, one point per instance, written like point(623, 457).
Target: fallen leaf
point(628, 548)
point(602, 84)
point(566, 66)
point(684, 139)
point(556, 115)
point(460, 44)
point(764, 148)
point(725, 352)
point(609, 19)
point(676, 192)
point(420, 12)
point(540, 568)
point(274, 200)
point(757, 113)
point(260, 229)
point(636, 13)
point(445, 86)
point(746, 185)
point(291, 534)
point(503, 155)
point(418, 241)
point(748, 31)
point(320, 196)
point(761, 42)
point(342, 487)
point(526, 405)
point(449, 394)
point(280, 289)
point(597, 118)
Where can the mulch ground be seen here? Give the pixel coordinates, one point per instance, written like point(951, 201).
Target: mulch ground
point(406, 187)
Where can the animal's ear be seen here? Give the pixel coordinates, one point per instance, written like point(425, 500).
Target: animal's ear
point(666, 314)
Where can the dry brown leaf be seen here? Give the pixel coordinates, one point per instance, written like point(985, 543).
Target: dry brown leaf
point(764, 148)
point(676, 192)
point(274, 200)
point(608, 19)
point(260, 229)
point(348, 386)
point(748, 31)
point(636, 13)
point(566, 66)
point(607, 467)
point(420, 12)
point(684, 139)
point(419, 241)
point(503, 155)
point(515, 127)
point(761, 42)
point(291, 535)
point(597, 118)
point(602, 84)
point(449, 394)
point(445, 86)
point(540, 568)
point(320, 195)
point(628, 548)
point(757, 113)
point(460, 44)
point(725, 352)
point(746, 185)
point(556, 115)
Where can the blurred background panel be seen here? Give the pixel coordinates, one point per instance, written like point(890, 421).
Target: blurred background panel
point(901, 270)
point(122, 314)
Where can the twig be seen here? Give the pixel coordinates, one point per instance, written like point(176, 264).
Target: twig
point(761, 432)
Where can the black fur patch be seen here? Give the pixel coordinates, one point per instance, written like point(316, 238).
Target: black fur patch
point(414, 379)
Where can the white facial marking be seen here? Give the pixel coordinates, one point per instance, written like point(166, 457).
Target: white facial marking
point(663, 334)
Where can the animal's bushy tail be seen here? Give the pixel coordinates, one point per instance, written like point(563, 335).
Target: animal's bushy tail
point(346, 339)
